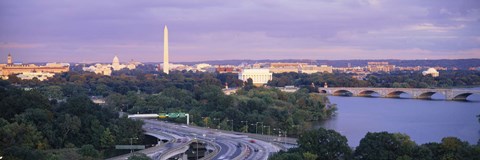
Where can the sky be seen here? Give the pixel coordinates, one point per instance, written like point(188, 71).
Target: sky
point(97, 30)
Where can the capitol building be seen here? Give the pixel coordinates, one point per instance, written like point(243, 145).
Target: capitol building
point(106, 69)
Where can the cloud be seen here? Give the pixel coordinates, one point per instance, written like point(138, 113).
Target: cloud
point(433, 28)
point(6, 45)
point(218, 29)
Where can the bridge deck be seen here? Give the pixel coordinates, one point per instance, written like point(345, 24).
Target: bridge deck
point(418, 93)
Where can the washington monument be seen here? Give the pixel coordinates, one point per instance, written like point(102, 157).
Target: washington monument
point(165, 50)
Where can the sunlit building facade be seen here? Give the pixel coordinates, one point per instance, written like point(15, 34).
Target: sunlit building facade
point(258, 76)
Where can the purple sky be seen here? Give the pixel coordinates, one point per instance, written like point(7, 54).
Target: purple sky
point(97, 30)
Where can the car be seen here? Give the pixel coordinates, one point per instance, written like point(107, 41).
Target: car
point(239, 145)
point(252, 141)
point(255, 149)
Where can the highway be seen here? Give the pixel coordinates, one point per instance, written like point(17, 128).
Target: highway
point(230, 145)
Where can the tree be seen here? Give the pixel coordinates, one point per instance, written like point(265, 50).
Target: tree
point(309, 156)
point(68, 126)
point(89, 151)
point(326, 144)
point(53, 92)
point(107, 139)
point(139, 156)
point(384, 145)
point(248, 85)
point(286, 156)
point(20, 141)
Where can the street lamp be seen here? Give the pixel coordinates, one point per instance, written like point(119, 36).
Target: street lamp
point(295, 128)
point(262, 126)
point(279, 131)
point(217, 119)
point(268, 129)
point(232, 123)
point(280, 134)
point(246, 125)
point(206, 122)
point(255, 127)
point(131, 150)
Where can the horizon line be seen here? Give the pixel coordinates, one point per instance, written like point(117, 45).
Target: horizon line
point(264, 60)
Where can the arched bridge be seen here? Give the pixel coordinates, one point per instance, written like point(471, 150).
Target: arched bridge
point(419, 93)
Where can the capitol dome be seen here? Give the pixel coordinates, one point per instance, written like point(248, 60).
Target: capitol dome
point(431, 71)
point(116, 64)
point(115, 60)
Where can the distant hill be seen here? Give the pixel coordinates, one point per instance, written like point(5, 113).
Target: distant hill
point(459, 63)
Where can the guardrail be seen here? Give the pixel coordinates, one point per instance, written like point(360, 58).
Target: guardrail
point(214, 153)
point(172, 140)
point(180, 149)
point(147, 151)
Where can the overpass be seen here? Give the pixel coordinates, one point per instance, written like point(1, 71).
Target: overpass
point(418, 93)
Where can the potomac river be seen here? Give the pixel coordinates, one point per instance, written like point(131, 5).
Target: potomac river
point(423, 120)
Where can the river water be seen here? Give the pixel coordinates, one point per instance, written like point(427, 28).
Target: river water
point(423, 120)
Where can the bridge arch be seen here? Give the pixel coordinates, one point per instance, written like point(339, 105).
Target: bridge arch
point(396, 94)
point(323, 91)
point(429, 94)
point(461, 96)
point(342, 92)
point(367, 93)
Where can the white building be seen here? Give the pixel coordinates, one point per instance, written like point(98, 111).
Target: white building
point(99, 69)
point(431, 71)
point(106, 69)
point(259, 76)
point(202, 67)
point(41, 76)
point(289, 89)
point(116, 64)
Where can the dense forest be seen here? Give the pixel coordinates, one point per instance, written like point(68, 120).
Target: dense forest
point(32, 126)
point(199, 94)
point(209, 106)
point(328, 144)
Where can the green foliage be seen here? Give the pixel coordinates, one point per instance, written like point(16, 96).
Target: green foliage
point(31, 124)
point(384, 145)
point(107, 139)
point(326, 144)
point(89, 151)
point(20, 135)
point(309, 156)
point(139, 156)
point(14, 101)
point(286, 156)
point(453, 148)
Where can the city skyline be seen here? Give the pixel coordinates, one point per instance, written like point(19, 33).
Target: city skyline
point(60, 31)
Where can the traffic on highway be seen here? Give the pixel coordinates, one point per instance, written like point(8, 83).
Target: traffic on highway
point(220, 144)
